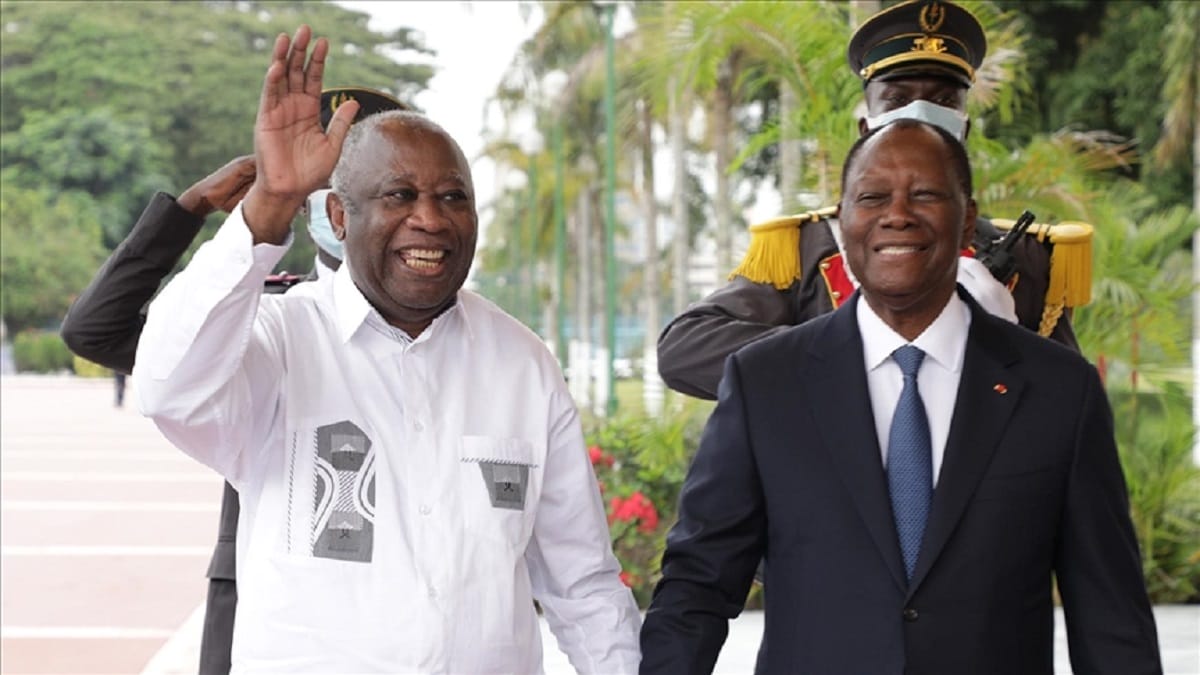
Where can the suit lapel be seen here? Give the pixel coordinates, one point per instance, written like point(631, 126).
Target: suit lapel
point(988, 392)
point(842, 405)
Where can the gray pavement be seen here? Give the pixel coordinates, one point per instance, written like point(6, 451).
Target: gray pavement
point(1178, 631)
point(107, 530)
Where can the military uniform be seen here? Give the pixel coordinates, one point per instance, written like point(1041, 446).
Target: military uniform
point(771, 291)
point(794, 271)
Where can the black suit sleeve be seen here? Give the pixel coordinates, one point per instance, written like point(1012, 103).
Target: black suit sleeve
point(1110, 625)
point(692, 349)
point(104, 323)
point(713, 549)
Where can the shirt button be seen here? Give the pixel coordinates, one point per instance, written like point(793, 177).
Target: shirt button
point(911, 615)
point(418, 426)
point(432, 592)
point(425, 510)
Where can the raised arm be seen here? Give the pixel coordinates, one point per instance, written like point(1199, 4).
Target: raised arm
point(295, 155)
point(210, 363)
point(693, 347)
point(105, 321)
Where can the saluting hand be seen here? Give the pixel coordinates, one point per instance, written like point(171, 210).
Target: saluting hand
point(294, 155)
point(220, 190)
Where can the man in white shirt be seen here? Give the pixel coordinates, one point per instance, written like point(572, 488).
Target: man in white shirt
point(411, 468)
point(915, 472)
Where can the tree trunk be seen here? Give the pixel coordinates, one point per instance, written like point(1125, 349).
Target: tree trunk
point(581, 354)
point(677, 113)
point(652, 384)
point(790, 152)
point(722, 115)
point(1196, 284)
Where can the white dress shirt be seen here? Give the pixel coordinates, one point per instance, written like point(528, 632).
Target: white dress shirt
point(944, 343)
point(403, 501)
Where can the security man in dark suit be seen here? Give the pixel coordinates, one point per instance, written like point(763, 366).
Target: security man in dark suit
point(104, 323)
point(917, 59)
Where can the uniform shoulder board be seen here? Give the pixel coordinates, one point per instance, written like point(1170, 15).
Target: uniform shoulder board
point(278, 283)
point(773, 256)
point(1070, 274)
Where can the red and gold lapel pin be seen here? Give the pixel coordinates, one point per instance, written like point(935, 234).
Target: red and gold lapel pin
point(1000, 388)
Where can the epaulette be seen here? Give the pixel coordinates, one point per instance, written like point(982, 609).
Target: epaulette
point(773, 256)
point(278, 283)
point(1070, 282)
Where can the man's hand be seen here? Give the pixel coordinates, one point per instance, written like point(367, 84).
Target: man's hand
point(220, 190)
point(294, 155)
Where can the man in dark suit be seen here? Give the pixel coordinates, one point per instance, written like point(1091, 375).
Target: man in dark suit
point(917, 59)
point(105, 322)
point(915, 471)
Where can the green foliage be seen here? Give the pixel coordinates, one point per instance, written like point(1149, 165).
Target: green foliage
point(118, 163)
point(1155, 435)
point(103, 103)
point(40, 351)
point(640, 463)
point(50, 249)
point(193, 80)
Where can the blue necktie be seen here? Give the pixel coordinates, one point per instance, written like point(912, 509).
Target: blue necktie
point(910, 460)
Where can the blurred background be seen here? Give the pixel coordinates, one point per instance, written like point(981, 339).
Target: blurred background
point(620, 151)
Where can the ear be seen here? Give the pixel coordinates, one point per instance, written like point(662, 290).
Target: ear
point(862, 126)
point(337, 215)
point(967, 129)
point(969, 226)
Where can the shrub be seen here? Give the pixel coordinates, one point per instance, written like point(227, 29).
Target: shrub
point(40, 351)
point(640, 463)
point(1155, 434)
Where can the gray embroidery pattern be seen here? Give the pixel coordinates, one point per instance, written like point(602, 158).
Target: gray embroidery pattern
point(344, 495)
point(505, 484)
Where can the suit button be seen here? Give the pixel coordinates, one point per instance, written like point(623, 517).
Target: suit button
point(911, 615)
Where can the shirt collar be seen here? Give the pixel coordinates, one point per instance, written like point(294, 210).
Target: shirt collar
point(322, 270)
point(353, 311)
point(944, 340)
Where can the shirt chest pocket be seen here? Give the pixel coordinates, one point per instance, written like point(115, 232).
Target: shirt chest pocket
point(498, 480)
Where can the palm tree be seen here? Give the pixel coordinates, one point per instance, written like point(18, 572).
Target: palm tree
point(1181, 92)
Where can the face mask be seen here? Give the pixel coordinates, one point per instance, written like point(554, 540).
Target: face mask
point(952, 121)
point(319, 227)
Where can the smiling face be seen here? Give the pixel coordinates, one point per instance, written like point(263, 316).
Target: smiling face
point(905, 213)
point(407, 217)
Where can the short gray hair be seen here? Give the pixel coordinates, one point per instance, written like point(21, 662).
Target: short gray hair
point(360, 134)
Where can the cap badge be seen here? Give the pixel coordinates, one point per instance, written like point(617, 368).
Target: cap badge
point(933, 45)
point(339, 99)
point(932, 16)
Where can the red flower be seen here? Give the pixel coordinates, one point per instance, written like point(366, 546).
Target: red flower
point(597, 456)
point(628, 579)
point(649, 519)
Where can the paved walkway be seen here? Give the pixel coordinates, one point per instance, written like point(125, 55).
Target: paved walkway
point(107, 530)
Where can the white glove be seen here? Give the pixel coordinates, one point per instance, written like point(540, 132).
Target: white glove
point(987, 291)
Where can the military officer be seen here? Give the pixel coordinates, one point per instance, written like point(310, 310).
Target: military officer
point(917, 59)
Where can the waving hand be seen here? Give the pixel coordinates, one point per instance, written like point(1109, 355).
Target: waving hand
point(294, 155)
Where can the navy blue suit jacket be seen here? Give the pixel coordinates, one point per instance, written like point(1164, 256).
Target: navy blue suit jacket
point(789, 470)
